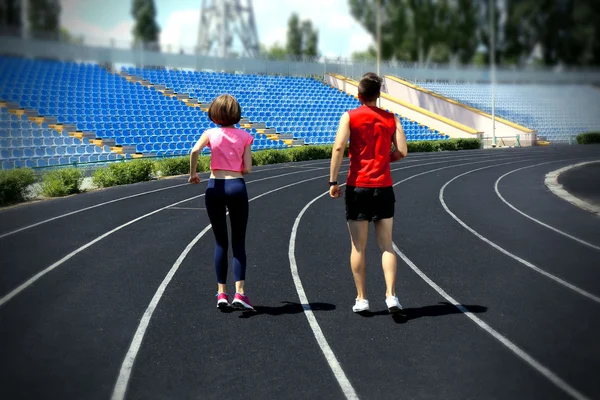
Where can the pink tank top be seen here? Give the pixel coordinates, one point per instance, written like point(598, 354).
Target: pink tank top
point(227, 147)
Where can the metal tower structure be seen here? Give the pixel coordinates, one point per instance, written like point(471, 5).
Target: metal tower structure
point(221, 21)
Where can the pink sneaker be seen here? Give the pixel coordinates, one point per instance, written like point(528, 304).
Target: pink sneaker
point(222, 300)
point(241, 301)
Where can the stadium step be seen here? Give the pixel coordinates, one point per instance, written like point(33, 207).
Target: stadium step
point(260, 127)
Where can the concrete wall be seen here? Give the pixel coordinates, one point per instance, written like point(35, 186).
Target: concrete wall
point(406, 110)
point(456, 111)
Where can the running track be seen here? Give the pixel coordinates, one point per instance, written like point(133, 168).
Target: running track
point(117, 299)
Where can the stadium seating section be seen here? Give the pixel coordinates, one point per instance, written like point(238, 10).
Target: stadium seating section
point(112, 118)
point(556, 112)
point(303, 107)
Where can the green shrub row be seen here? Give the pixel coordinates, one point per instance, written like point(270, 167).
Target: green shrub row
point(66, 181)
point(588, 138)
point(13, 184)
point(444, 145)
point(124, 173)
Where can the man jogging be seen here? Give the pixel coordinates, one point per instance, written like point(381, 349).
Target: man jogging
point(369, 192)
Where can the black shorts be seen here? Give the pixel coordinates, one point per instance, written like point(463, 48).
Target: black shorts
point(369, 204)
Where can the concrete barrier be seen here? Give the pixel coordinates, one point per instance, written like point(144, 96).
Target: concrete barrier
point(459, 112)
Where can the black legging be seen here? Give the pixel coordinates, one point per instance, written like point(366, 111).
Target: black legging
point(231, 195)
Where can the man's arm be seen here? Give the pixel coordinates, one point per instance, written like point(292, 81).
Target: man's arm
point(341, 140)
point(399, 140)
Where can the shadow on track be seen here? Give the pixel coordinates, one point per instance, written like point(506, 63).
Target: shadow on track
point(287, 308)
point(438, 310)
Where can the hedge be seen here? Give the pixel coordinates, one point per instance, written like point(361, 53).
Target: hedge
point(588, 138)
point(180, 165)
point(62, 182)
point(13, 183)
point(124, 173)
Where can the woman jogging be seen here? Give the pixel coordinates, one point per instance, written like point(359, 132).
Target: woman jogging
point(369, 190)
point(231, 159)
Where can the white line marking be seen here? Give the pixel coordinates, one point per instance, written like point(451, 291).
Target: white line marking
point(551, 376)
point(37, 276)
point(551, 182)
point(502, 250)
point(120, 199)
point(159, 190)
point(334, 364)
point(534, 219)
point(88, 208)
point(187, 208)
point(122, 383)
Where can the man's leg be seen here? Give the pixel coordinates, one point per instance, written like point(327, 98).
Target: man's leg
point(359, 231)
point(383, 233)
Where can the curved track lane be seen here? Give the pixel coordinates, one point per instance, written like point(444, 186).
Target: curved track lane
point(76, 324)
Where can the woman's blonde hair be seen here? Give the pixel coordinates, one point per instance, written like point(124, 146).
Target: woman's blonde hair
point(225, 110)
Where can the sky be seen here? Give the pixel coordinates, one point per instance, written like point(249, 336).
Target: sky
point(99, 21)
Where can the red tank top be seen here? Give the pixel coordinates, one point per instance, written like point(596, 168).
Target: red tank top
point(371, 133)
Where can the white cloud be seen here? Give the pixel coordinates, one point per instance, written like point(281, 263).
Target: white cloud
point(74, 21)
point(360, 42)
point(339, 33)
point(181, 29)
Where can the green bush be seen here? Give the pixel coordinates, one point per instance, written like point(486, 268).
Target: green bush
point(588, 138)
point(307, 153)
point(181, 165)
point(13, 183)
point(467, 144)
point(422, 146)
point(443, 145)
point(266, 157)
point(124, 173)
point(173, 166)
point(61, 182)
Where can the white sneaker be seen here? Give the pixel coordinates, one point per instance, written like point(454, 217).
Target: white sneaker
point(393, 304)
point(361, 305)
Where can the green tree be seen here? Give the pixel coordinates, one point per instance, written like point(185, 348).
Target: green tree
point(44, 17)
point(302, 38)
point(368, 55)
point(294, 36)
point(146, 29)
point(484, 31)
point(566, 31)
point(276, 52)
point(10, 14)
point(423, 30)
point(462, 31)
point(310, 40)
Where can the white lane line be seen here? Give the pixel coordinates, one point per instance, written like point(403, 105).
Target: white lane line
point(127, 366)
point(40, 274)
point(332, 360)
point(502, 250)
point(551, 182)
point(534, 219)
point(551, 376)
point(122, 383)
point(153, 191)
point(187, 208)
point(88, 208)
point(114, 201)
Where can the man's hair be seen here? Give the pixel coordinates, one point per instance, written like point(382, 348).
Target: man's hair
point(225, 110)
point(369, 87)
